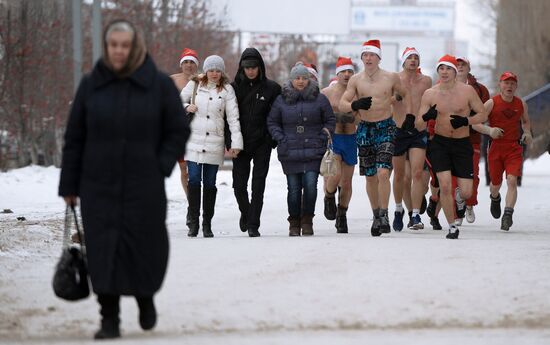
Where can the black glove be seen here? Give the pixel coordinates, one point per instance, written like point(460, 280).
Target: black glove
point(408, 124)
point(362, 103)
point(431, 114)
point(458, 121)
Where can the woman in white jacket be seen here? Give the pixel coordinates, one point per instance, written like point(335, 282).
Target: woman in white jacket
point(214, 99)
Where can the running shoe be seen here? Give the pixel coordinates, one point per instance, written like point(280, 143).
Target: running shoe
point(416, 223)
point(470, 214)
point(398, 220)
point(453, 232)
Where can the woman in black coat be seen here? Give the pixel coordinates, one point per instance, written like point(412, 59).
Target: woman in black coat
point(126, 129)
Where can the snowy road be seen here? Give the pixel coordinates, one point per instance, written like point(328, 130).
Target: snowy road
point(489, 287)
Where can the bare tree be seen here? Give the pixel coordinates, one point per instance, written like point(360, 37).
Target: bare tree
point(36, 84)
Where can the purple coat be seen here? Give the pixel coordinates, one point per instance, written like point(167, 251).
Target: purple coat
point(296, 121)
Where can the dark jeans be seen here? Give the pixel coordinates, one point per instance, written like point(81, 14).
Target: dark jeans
point(252, 209)
point(298, 184)
point(202, 172)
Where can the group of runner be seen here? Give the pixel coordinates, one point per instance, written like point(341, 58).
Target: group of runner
point(428, 135)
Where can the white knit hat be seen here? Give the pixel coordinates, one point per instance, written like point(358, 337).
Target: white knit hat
point(213, 62)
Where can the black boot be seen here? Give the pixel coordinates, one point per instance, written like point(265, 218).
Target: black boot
point(495, 206)
point(208, 204)
point(506, 221)
point(147, 313)
point(341, 220)
point(109, 317)
point(244, 205)
point(330, 206)
point(432, 207)
point(194, 210)
point(424, 205)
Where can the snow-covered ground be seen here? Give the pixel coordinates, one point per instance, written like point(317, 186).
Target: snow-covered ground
point(488, 287)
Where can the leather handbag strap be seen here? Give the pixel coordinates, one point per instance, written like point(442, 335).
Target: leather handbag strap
point(329, 141)
point(195, 92)
point(67, 227)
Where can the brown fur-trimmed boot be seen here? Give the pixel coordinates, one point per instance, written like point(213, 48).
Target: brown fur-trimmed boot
point(307, 224)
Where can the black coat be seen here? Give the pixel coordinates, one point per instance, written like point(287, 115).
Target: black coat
point(255, 98)
point(123, 138)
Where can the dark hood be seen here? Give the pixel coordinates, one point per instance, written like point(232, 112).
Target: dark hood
point(247, 54)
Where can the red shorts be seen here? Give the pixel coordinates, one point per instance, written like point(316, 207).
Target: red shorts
point(507, 156)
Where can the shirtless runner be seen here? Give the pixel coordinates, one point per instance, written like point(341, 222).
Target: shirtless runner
point(410, 139)
point(450, 104)
point(376, 131)
point(189, 64)
point(343, 142)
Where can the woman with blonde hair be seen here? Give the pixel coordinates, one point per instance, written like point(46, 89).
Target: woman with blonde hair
point(209, 98)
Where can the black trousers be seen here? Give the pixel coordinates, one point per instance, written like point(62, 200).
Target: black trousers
point(260, 156)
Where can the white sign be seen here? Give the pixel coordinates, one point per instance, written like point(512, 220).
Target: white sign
point(402, 18)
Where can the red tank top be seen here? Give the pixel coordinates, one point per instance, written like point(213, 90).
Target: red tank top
point(506, 115)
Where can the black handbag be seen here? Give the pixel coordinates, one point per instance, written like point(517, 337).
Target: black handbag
point(70, 280)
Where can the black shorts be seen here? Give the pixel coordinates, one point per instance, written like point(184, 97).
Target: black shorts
point(450, 154)
point(405, 140)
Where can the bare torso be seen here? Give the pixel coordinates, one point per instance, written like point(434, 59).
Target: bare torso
point(345, 122)
point(380, 86)
point(415, 86)
point(452, 101)
point(180, 79)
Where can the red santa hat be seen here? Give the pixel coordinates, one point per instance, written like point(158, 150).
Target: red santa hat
point(312, 69)
point(372, 46)
point(189, 54)
point(344, 63)
point(447, 60)
point(408, 52)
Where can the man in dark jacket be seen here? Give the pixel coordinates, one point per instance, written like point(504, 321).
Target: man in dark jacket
point(255, 95)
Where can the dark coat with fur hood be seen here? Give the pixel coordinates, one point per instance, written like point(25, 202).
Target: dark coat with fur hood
point(296, 121)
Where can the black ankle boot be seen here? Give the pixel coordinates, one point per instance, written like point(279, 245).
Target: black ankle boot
point(109, 313)
point(341, 220)
point(147, 313)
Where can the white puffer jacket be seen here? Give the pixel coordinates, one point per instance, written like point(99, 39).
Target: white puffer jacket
point(206, 143)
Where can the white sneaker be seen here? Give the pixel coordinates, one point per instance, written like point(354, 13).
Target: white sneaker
point(470, 215)
point(458, 221)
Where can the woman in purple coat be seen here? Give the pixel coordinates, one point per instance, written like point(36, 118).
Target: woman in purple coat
point(296, 122)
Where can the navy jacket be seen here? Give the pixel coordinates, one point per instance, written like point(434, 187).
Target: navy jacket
point(296, 121)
